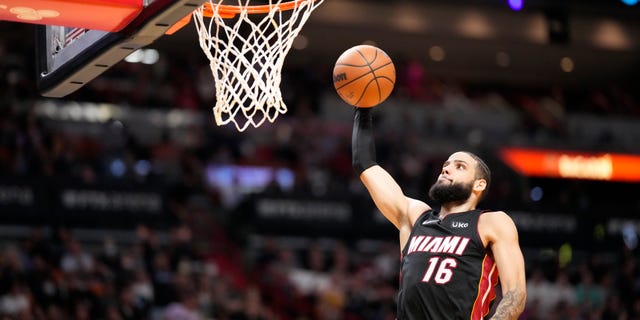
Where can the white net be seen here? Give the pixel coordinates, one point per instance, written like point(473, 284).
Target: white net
point(246, 55)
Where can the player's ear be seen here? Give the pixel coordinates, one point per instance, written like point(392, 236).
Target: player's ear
point(479, 185)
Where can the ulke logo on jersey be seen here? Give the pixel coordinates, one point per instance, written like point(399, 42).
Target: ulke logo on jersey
point(457, 224)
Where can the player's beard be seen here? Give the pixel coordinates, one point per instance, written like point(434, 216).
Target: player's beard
point(455, 193)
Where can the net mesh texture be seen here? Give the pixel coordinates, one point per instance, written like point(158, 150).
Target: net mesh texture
point(246, 55)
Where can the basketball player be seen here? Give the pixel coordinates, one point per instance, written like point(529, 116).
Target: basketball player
point(453, 258)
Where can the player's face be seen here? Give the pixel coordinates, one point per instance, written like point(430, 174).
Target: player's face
point(455, 182)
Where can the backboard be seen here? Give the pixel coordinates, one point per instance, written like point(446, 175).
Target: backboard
point(93, 38)
point(246, 42)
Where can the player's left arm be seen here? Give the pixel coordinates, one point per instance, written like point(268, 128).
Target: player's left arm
point(499, 231)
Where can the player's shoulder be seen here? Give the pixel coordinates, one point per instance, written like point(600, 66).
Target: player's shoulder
point(492, 213)
point(416, 209)
point(496, 221)
point(496, 218)
point(494, 226)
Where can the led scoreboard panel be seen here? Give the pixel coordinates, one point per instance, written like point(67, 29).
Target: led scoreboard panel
point(573, 164)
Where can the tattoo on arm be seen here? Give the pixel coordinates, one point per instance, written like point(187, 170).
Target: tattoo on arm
point(511, 305)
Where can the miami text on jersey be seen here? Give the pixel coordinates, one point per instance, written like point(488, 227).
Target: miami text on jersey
point(450, 244)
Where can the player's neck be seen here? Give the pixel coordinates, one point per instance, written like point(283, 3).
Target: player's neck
point(450, 208)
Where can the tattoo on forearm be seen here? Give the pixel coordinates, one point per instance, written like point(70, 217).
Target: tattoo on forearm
point(511, 305)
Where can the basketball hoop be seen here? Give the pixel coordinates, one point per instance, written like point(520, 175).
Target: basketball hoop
point(246, 54)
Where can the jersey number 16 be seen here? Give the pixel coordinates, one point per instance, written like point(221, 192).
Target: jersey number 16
point(442, 268)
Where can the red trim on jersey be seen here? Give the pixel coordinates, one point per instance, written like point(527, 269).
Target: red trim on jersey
point(486, 289)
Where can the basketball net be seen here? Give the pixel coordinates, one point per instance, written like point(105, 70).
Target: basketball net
point(246, 55)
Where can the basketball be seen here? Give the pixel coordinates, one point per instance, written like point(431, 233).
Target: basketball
point(364, 76)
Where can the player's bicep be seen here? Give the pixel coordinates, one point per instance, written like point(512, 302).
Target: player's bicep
point(388, 196)
point(503, 238)
point(510, 262)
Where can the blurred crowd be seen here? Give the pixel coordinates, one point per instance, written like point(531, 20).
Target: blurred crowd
point(162, 275)
point(202, 266)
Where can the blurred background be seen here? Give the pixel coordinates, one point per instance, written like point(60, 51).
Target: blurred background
point(124, 200)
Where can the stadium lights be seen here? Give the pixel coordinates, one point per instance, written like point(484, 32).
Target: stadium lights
point(146, 56)
point(517, 5)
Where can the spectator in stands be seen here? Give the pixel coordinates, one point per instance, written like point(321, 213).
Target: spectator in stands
point(539, 293)
point(589, 295)
point(562, 291)
point(184, 309)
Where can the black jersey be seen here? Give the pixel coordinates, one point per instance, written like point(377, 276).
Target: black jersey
point(446, 271)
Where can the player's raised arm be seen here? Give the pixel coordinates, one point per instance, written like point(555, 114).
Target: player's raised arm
point(384, 190)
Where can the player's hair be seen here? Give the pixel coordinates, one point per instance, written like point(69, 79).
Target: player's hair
point(482, 172)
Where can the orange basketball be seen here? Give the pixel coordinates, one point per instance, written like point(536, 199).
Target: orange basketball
point(364, 76)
